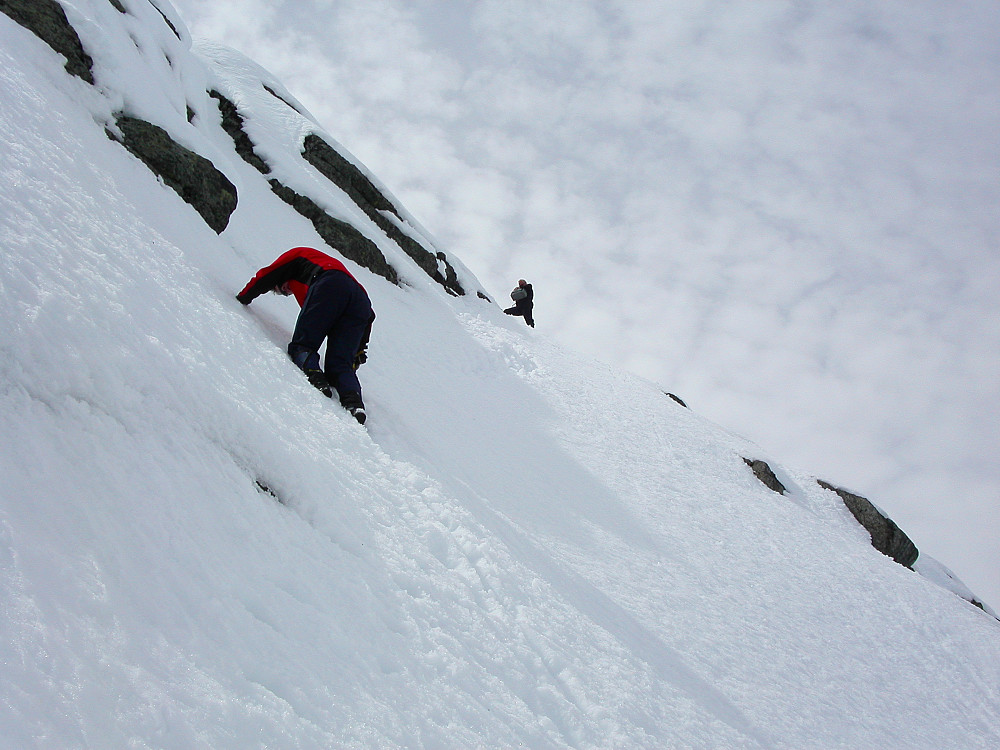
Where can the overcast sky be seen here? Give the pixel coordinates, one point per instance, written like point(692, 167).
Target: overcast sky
point(784, 212)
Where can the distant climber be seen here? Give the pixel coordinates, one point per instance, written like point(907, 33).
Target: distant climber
point(335, 307)
point(524, 302)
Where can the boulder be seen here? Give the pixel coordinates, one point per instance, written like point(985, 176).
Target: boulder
point(232, 123)
point(886, 536)
point(192, 176)
point(764, 473)
point(47, 20)
point(339, 235)
point(345, 175)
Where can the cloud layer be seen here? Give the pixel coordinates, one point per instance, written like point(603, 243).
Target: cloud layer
point(783, 212)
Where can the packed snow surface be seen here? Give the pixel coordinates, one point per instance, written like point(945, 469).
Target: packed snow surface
point(523, 548)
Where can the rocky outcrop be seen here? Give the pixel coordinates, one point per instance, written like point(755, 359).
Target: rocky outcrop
point(47, 20)
point(282, 99)
point(232, 123)
point(167, 20)
point(677, 399)
point(193, 177)
point(377, 207)
point(340, 235)
point(886, 536)
point(765, 474)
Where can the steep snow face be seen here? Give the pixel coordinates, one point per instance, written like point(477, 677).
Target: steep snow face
point(524, 549)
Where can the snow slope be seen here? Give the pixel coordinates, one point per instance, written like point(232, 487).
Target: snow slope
point(197, 550)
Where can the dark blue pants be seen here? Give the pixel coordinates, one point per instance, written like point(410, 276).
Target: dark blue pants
point(337, 309)
point(524, 310)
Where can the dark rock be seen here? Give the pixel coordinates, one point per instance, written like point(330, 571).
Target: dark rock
point(370, 199)
point(886, 536)
point(192, 176)
point(338, 234)
point(263, 489)
point(764, 473)
point(344, 174)
point(118, 6)
point(450, 279)
point(167, 20)
point(678, 400)
point(47, 20)
point(232, 123)
point(282, 99)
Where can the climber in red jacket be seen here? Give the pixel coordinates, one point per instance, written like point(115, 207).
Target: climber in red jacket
point(335, 307)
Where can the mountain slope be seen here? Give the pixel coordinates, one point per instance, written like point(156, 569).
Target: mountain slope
point(524, 548)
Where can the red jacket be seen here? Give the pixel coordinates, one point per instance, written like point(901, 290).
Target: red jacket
point(297, 268)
